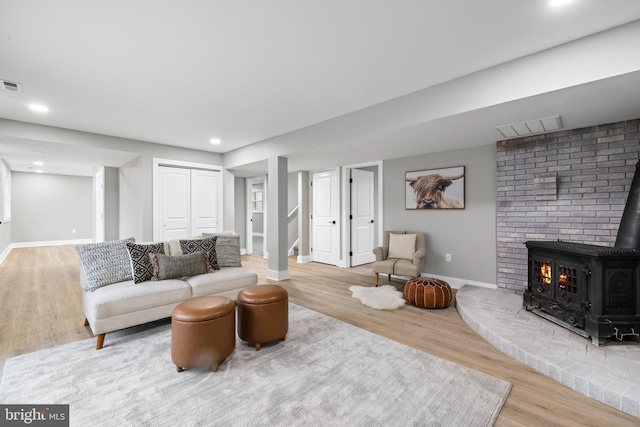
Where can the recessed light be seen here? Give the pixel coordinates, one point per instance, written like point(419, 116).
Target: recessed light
point(215, 141)
point(38, 163)
point(39, 108)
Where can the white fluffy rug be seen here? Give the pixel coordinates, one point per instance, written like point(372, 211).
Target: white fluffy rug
point(381, 298)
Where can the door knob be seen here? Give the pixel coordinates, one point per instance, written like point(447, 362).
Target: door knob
point(332, 222)
point(371, 222)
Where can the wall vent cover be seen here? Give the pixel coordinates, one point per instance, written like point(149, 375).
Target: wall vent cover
point(11, 86)
point(531, 127)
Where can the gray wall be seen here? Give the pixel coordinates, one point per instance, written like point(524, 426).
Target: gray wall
point(292, 202)
point(48, 207)
point(5, 226)
point(5, 237)
point(469, 235)
point(239, 210)
point(111, 204)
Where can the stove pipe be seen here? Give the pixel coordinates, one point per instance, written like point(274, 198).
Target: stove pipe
point(629, 232)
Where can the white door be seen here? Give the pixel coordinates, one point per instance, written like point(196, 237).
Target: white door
point(204, 193)
point(362, 213)
point(325, 244)
point(174, 203)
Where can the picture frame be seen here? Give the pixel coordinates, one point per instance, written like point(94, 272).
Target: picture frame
point(435, 188)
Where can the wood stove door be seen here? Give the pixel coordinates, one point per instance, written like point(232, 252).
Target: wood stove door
point(571, 283)
point(541, 275)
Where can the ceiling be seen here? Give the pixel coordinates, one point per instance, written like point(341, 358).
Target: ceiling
point(181, 73)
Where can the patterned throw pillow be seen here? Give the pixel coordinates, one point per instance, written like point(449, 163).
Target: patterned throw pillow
point(227, 249)
point(105, 263)
point(171, 267)
point(141, 266)
point(205, 245)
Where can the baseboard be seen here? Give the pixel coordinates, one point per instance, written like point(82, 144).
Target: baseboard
point(457, 283)
point(278, 275)
point(50, 243)
point(5, 253)
point(302, 259)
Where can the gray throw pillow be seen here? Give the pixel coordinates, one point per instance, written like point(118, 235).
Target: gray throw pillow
point(105, 263)
point(141, 266)
point(171, 267)
point(207, 245)
point(227, 249)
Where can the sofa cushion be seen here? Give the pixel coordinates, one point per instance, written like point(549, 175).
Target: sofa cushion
point(227, 249)
point(141, 266)
point(207, 245)
point(225, 279)
point(171, 267)
point(128, 297)
point(105, 263)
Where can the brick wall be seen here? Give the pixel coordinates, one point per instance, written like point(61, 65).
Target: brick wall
point(569, 185)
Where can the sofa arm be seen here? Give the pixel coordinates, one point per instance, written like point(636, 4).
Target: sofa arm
point(84, 284)
point(417, 257)
point(381, 253)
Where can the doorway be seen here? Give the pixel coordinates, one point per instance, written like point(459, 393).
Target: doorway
point(364, 215)
point(256, 214)
point(325, 217)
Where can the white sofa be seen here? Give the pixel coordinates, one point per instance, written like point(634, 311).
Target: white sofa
point(124, 304)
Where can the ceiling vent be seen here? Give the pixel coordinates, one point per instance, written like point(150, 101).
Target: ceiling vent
point(531, 127)
point(11, 86)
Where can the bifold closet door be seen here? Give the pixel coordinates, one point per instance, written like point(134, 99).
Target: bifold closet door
point(187, 202)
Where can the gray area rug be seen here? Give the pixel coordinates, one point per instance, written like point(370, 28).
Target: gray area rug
point(326, 373)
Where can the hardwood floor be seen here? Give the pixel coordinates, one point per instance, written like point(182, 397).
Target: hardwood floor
point(40, 301)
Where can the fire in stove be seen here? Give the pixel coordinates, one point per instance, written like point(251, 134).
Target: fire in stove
point(543, 270)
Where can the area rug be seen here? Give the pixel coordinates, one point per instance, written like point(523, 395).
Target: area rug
point(326, 373)
point(381, 297)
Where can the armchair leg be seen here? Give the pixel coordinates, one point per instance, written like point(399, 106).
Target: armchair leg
point(376, 279)
point(86, 322)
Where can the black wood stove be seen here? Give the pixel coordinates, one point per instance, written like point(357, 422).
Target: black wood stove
point(591, 290)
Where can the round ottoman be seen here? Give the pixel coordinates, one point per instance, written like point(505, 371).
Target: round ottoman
point(263, 314)
point(203, 332)
point(427, 292)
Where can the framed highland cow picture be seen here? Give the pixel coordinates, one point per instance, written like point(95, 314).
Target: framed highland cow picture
point(435, 188)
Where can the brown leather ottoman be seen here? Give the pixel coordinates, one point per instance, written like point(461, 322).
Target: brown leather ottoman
point(203, 332)
point(427, 292)
point(263, 314)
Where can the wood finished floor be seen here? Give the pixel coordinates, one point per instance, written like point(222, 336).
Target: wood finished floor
point(40, 308)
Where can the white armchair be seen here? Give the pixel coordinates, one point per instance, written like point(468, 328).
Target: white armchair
point(402, 253)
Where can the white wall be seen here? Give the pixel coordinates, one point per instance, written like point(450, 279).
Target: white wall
point(49, 207)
